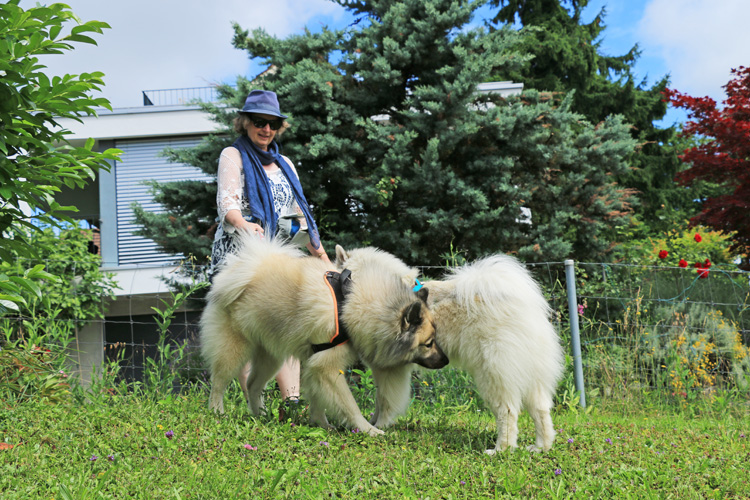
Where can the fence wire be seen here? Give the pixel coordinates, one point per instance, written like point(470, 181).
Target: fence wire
point(674, 330)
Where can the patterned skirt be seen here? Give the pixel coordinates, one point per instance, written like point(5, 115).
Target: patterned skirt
point(228, 243)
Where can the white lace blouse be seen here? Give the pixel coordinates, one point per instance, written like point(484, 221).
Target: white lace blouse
point(230, 194)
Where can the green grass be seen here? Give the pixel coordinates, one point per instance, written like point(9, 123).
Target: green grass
point(625, 451)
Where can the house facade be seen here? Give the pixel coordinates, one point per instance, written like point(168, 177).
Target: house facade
point(106, 203)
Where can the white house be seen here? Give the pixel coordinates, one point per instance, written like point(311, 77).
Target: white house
point(142, 134)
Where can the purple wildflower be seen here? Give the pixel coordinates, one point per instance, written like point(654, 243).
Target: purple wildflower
point(324, 443)
point(169, 434)
point(463, 483)
point(570, 440)
point(93, 458)
point(111, 458)
point(608, 441)
point(742, 435)
point(355, 430)
point(558, 472)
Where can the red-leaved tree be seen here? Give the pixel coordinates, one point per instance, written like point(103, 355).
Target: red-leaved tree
point(722, 157)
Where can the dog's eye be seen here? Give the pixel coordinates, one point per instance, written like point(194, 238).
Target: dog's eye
point(429, 343)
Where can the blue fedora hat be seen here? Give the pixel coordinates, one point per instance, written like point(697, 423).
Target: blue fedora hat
point(262, 102)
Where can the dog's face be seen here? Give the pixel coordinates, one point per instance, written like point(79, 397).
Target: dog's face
point(415, 341)
point(418, 332)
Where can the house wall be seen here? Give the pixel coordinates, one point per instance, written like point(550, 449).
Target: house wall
point(142, 133)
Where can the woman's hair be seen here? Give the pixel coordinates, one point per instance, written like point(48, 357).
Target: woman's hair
point(242, 120)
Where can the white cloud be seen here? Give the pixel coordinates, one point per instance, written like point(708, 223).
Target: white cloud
point(700, 41)
point(162, 44)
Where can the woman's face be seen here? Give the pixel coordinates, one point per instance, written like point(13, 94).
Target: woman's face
point(262, 136)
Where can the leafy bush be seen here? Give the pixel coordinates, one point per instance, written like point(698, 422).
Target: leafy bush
point(77, 295)
point(36, 160)
point(639, 247)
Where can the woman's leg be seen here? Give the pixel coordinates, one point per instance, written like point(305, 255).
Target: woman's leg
point(288, 379)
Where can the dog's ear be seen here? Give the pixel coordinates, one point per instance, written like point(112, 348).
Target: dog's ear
point(423, 293)
point(412, 316)
point(341, 256)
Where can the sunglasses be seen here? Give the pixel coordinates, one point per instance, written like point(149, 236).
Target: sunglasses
point(262, 122)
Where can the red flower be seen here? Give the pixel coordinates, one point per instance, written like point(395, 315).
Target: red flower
point(698, 237)
point(683, 263)
point(663, 254)
point(702, 268)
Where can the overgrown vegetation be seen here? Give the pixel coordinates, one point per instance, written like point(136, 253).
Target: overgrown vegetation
point(666, 416)
point(78, 293)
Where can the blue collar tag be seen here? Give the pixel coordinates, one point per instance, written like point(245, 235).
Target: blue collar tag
point(418, 286)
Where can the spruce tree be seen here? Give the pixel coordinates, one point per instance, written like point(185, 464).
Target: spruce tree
point(568, 56)
point(396, 148)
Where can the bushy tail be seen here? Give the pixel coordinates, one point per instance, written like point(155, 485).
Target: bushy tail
point(497, 278)
point(238, 269)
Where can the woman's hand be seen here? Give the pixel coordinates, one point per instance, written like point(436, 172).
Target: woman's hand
point(250, 227)
point(234, 217)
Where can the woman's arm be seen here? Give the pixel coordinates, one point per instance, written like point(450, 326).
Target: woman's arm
point(318, 252)
point(229, 193)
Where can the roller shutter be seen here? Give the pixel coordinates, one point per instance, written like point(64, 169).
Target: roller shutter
point(141, 161)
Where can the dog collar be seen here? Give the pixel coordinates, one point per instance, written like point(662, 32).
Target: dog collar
point(418, 286)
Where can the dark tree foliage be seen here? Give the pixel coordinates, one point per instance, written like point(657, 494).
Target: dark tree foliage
point(722, 157)
point(396, 148)
point(568, 56)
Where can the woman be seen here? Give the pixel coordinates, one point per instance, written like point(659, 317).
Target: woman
point(259, 192)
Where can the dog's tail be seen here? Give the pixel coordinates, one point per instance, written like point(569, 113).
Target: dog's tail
point(497, 278)
point(238, 269)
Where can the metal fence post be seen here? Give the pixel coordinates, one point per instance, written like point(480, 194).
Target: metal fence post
point(575, 336)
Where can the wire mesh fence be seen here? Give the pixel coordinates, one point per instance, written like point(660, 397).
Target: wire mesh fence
point(683, 332)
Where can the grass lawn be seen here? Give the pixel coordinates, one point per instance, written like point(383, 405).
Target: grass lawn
point(138, 447)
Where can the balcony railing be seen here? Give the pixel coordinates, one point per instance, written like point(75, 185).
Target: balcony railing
point(179, 97)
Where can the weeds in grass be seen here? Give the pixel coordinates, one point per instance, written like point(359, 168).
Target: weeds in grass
point(162, 373)
point(135, 446)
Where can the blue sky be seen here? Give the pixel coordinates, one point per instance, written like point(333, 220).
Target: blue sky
point(162, 44)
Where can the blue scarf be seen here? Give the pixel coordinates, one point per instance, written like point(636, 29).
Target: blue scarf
point(258, 188)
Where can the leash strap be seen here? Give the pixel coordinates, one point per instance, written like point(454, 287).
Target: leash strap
point(339, 284)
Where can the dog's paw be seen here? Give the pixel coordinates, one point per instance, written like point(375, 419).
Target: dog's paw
point(374, 431)
point(494, 451)
point(534, 449)
point(322, 423)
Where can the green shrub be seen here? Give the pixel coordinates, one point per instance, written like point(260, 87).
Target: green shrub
point(78, 296)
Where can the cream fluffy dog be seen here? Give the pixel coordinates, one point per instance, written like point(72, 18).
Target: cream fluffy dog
point(270, 302)
point(493, 321)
